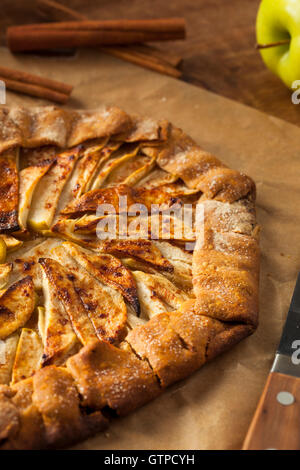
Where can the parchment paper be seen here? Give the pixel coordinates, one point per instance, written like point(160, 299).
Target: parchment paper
point(213, 408)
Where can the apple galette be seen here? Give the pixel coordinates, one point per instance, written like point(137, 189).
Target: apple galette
point(129, 259)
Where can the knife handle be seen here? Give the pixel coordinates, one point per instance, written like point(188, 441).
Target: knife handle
point(276, 422)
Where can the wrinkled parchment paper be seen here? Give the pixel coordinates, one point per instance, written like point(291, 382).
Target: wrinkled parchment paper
point(213, 408)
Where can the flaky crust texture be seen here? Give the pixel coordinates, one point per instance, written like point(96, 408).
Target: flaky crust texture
point(114, 371)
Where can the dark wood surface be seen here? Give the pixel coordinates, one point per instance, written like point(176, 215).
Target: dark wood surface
point(219, 53)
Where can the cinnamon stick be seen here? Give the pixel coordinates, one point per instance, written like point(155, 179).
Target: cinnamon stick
point(57, 11)
point(47, 36)
point(31, 79)
point(35, 85)
point(150, 62)
point(34, 90)
point(140, 54)
point(160, 25)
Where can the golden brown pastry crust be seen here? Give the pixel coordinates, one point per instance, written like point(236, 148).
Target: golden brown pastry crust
point(107, 376)
point(61, 405)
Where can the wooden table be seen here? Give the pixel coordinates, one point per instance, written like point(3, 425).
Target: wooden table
point(219, 52)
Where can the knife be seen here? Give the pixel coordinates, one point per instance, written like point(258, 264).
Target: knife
point(276, 422)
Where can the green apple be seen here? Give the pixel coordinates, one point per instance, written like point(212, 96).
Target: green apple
point(279, 20)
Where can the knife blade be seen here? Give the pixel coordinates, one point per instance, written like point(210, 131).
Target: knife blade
point(276, 422)
point(286, 360)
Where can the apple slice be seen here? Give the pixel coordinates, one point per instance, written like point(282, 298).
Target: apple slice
point(172, 227)
point(157, 294)
point(127, 152)
point(178, 189)
point(82, 174)
point(60, 280)
point(158, 227)
point(173, 253)
point(146, 165)
point(49, 189)
point(12, 243)
point(84, 170)
point(90, 201)
point(151, 303)
point(29, 178)
point(9, 190)
point(64, 228)
point(28, 355)
point(2, 250)
point(130, 171)
point(55, 327)
point(156, 178)
point(108, 270)
point(16, 306)
point(87, 224)
point(5, 270)
point(143, 250)
point(181, 260)
point(27, 262)
point(35, 155)
point(133, 321)
point(104, 305)
point(8, 349)
point(105, 153)
point(41, 325)
point(90, 224)
point(24, 247)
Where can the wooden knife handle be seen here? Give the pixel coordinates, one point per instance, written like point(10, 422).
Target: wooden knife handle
point(276, 422)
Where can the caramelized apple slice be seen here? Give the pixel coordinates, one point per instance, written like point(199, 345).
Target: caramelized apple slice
point(104, 305)
point(8, 349)
point(171, 227)
point(157, 294)
point(133, 320)
point(49, 189)
point(5, 270)
point(3, 249)
point(126, 153)
point(87, 224)
point(9, 190)
point(29, 178)
point(16, 306)
point(54, 326)
point(12, 243)
point(91, 200)
point(173, 253)
point(84, 169)
point(35, 155)
point(27, 262)
point(145, 167)
point(65, 229)
point(63, 283)
point(41, 325)
point(140, 249)
point(108, 270)
point(106, 153)
point(28, 355)
point(156, 178)
point(130, 171)
point(181, 261)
